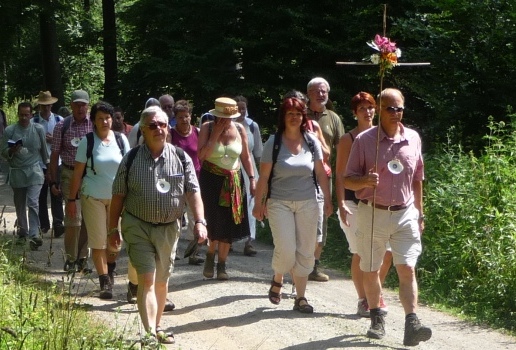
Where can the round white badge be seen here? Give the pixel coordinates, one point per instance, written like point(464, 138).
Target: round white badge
point(75, 141)
point(24, 151)
point(226, 160)
point(395, 166)
point(163, 186)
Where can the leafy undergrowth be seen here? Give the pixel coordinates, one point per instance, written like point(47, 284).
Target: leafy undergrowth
point(40, 314)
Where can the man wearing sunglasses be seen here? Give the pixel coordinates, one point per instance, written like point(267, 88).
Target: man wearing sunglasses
point(390, 189)
point(153, 204)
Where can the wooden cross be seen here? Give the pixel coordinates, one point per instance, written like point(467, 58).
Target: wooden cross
point(384, 34)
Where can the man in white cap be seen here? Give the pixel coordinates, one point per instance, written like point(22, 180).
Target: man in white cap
point(48, 121)
point(66, 137)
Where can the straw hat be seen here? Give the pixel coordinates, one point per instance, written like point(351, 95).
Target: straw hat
point(45, 98)
point(225, 108)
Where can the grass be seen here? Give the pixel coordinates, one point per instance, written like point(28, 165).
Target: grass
point(38, 313)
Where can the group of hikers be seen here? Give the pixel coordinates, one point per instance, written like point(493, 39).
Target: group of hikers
point(141, 186)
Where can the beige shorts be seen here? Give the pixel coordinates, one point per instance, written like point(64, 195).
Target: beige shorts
point(399, 228)
point(95, 213)
point(151, 248)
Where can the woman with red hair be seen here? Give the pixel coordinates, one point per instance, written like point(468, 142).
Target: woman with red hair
point(290, 170)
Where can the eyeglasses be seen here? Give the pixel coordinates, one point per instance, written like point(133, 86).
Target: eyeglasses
point(154, 126)
point(391, 109)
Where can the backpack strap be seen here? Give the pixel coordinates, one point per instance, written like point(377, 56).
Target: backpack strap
point(275, 152)
point(310, 142)
point(120, 142)
point(89, 152)
point(66, 125)
point(130, 158)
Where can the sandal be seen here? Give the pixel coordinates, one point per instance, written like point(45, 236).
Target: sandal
point(274, 297)
point(305, 308)
point(164, 337)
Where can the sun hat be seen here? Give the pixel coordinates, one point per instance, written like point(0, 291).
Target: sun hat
point(45, 98)
point(225, 108)
point(80, 96)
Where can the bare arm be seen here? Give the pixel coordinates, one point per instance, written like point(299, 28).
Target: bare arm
point(260, 209)
point(325, 149)
point(115, 210)
point(195, 202)
point(324, 184)
point(417, 187)
point(245, 158)
point(71, 208)
point(343, 150)
point(207, 141)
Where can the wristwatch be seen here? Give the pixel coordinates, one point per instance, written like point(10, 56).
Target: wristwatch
point(201, 221)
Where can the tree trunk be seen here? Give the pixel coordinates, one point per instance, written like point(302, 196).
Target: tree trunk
point(50, 56)
point(110, 52)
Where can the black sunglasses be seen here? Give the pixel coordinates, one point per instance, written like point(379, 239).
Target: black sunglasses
point(154, 126)
point(394, 109)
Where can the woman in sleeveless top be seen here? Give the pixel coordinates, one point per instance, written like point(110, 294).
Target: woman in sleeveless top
point(363, 106)
point(222, 151)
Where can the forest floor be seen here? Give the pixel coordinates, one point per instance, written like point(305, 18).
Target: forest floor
point(237, 314)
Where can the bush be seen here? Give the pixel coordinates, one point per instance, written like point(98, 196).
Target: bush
point(469, 256)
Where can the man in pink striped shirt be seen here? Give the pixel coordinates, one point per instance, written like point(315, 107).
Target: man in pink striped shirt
point(391, 186)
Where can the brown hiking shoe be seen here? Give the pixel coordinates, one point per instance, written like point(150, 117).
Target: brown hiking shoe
point(415, 332)
point(221, 272)
point(106, 290)
point(377, 329)
point(209, 266)
point(318, 276)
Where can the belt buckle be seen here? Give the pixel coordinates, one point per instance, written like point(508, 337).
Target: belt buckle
point(389, 207)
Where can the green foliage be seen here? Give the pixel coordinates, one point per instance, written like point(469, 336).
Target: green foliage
point(40, 314)
point(470, 237)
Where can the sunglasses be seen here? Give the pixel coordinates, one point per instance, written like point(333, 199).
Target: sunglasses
point(154, 126)
point(394, 109)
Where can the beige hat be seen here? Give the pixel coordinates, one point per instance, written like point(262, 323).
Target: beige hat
point(225, 108)
point(45, 98)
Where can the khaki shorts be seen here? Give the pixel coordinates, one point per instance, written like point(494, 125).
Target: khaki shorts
point(66, 180)
point(399, 228)
point(151, 248)
point(95, 213)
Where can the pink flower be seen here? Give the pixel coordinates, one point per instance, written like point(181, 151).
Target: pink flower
point(384, 44)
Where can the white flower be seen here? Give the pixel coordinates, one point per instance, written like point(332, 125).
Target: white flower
point(375, 58)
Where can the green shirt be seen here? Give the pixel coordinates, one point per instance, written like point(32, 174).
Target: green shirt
point(331, 126)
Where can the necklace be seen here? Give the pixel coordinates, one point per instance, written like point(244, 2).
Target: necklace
point(226, 159)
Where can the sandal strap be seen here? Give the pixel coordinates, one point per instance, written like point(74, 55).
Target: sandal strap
point(298, 300)
point(276, 284)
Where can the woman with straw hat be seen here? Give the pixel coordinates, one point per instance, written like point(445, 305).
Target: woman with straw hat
point(223, 150)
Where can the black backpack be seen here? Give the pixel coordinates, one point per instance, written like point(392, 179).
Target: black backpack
point(89, 148)
point(275, 151)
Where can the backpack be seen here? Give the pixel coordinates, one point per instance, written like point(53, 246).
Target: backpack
point(275, 152)
point(36, 119)
point(132, 154)
point(89, 148)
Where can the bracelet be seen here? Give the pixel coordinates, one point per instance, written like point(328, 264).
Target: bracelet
point(70, 200)
point(422, 217)
point(251, 177)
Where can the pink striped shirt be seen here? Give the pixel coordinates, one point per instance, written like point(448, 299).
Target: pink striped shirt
point(392, 189)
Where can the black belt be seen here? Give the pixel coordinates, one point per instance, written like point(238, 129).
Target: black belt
point(385, 207)
point(153, 223)
point(69, 167)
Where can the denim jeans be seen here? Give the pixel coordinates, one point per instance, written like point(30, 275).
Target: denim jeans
point(27, 197)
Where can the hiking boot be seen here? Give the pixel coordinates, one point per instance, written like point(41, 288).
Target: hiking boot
point(363, 308)
point(169, 305)
point(383, 306)
point(44, 229)
point(209, 265)
point(111, 272)
point(21, 240)
point(221, 271)
point(132, 293)
point(249, 250)
point(415, 332)
point(317, 275)
point(106, 289)
point(82, 266)
point(195, 260)
point(69, 266)
point(377, 329)
point(58, 231)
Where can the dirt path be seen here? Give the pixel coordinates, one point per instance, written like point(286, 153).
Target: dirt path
point(236, 314)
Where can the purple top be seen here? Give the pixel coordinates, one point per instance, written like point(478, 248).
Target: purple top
point(392, 189)
point(188, 144)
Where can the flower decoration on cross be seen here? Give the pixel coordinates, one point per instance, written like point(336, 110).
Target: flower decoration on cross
point(388, 53)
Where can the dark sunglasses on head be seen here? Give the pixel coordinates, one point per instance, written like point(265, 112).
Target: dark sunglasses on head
point(394, 109)
point(154, 126)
